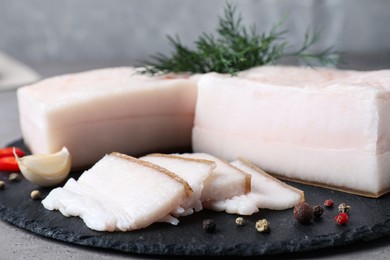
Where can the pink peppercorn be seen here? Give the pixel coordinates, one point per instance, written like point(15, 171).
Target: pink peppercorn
point(328, 203)
point(342, 218)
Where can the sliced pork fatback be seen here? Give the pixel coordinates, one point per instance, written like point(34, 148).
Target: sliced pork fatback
point(319, 126)
point(193, 171)
point(96, 112)
point(225, 181)
point(266, 192)
point(120, 193)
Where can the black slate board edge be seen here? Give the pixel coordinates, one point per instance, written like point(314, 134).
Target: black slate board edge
point(292, 246)
point(296, 244)
point(303, 244)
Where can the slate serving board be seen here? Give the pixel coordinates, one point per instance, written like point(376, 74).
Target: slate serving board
point(369, 219)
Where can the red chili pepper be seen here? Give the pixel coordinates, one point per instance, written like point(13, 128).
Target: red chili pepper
point(9, 151)
point(9, 164)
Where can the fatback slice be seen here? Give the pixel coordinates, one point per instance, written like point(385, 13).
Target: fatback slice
point(266, 192)
point(193, 171)
point(120, 192)
point(225, 181)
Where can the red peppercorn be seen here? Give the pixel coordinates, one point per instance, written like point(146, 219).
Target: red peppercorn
point(328, 203)
point(342, 218)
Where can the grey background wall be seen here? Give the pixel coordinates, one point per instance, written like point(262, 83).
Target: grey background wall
point(125, 32)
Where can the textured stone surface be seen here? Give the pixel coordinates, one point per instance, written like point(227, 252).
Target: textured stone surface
point(369, 219)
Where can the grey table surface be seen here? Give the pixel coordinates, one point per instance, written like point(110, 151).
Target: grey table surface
point(16, 243)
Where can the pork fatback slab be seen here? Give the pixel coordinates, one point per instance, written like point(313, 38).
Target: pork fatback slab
point(320, 126)
point(97, 112)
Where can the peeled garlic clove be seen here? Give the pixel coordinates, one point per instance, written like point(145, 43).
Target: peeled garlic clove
point(45, 169)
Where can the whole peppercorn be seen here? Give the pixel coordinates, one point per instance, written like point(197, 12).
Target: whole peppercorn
point(318, 211)
point(2, 185)
point(328, 203)
point(262, 225)
point(303, 212)
point(209, 225)
point(35, 195)
point(14, 177)
point(239, 221)
point(344, 208)
point(342, 218)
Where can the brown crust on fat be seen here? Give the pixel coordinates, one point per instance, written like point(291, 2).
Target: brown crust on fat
point(172, 156)
point(248, 177)
point(247, 184)
point(170, 174)
point(269, 176)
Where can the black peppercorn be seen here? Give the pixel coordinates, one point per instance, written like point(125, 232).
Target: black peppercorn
point(303, 212)
point(209, 225)
point(318, 211)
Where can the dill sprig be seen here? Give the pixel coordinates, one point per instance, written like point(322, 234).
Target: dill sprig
point(235, 48)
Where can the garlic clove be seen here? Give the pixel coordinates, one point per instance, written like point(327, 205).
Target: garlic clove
point(45, 169)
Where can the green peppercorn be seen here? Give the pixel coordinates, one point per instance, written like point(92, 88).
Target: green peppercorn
point(262, 226)
point(239, 221)
point(344, 208)
point(209, 225)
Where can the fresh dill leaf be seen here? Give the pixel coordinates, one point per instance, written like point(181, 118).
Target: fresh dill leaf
point(324, 57)
point(235, 48)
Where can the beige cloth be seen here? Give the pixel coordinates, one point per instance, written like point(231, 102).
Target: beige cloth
point(14, 73)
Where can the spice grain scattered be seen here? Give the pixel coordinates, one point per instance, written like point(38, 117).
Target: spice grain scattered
point(14, 177)
point(209, 225)
point(35, 195)
point(303, 212)
point(262, 225)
